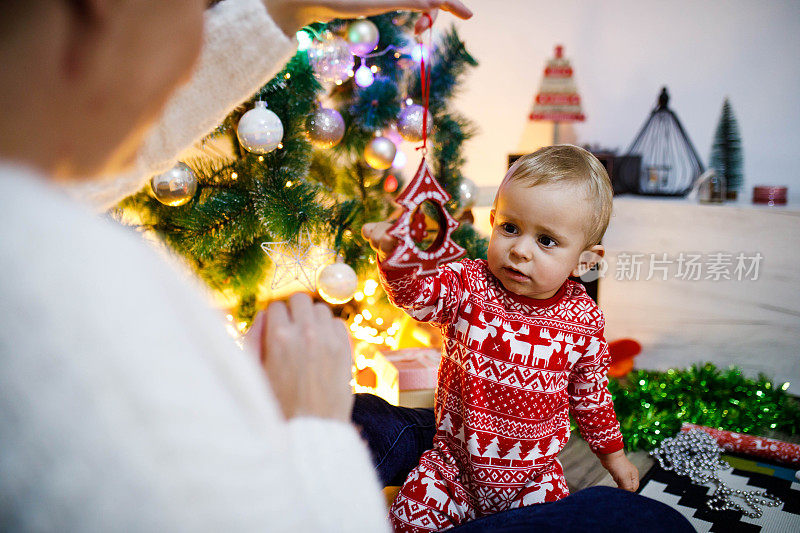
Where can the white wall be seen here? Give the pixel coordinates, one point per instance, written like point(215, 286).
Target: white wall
point(622, 52)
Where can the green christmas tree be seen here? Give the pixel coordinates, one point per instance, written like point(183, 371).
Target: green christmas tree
point(726, 152)
point(298, 190)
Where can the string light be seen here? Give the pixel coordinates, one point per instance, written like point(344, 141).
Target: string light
point(304, 40)
point(370, 286)
point(419, 52)
point(364, 76)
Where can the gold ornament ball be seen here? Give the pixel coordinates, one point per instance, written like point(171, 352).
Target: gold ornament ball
point(380, 153)
point(325, 128)
point(337, 283)
point(409, 123)
point(176, 186)
point(363, 37)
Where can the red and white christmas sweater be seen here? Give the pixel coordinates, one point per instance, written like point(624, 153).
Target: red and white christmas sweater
point(513, 369)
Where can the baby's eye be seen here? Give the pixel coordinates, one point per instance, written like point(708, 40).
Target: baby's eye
point(546, 241)
point(509, 228)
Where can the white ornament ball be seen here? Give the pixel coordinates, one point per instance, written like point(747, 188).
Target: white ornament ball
point(260, 130)
point(337, 283)
point(331, 58)
point(380, 153)
point(409, 123)
point(467, 193)
point(176, 186)
point(325, 127)
point(363, 37)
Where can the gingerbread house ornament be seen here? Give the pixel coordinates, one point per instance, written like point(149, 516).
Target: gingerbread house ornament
point(407, 255)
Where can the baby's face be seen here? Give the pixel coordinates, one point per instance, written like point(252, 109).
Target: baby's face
point(538, 234)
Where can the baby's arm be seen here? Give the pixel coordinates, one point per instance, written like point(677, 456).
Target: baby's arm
point(435, 298)
point(593, 410)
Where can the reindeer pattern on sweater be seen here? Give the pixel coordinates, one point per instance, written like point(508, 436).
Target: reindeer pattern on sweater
point(513, 368)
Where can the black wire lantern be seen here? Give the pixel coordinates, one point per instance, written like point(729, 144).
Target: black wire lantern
point(670, 164)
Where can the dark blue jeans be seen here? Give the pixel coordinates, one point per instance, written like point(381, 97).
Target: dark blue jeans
point(397, 436)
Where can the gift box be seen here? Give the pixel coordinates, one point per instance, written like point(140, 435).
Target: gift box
point(416, 367)
point(762, 447)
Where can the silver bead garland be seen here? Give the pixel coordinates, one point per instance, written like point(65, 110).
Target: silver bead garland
point(696, 454)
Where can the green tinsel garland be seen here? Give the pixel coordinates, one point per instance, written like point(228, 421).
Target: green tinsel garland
point(651, 405)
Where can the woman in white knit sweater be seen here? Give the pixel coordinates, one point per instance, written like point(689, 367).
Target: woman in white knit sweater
point(123, 404)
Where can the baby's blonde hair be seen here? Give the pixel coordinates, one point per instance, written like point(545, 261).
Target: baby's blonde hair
point(565, 163)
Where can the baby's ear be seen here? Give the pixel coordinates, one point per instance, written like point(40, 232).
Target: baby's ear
point(588, 259)
point(491, 218)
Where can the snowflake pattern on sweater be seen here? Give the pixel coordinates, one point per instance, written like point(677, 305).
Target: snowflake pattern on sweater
point(512, 370)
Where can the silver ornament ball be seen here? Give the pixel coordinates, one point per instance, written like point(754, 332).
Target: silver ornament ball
point(467, 193)
point(337, 283)
point(325, 127)
point(260, 130)
point(409, 123)
point(363, 37)
point(331, 58)
point(176, 186)
point(380, 153)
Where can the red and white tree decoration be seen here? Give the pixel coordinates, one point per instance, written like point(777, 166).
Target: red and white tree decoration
point(423, 188)
point(558, 99)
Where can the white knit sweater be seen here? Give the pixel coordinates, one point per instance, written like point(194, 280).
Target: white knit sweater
point(124, 406)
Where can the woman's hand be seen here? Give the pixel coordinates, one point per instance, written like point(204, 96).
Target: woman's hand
point(308, 358)
point(291, 15)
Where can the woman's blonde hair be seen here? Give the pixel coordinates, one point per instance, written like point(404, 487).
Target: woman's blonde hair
point(565, 163)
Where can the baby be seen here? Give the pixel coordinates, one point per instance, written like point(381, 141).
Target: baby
point(524, 348)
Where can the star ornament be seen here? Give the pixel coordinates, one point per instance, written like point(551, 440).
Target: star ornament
point(407, 255)
point(297, 261)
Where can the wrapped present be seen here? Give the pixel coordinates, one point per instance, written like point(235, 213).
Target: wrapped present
point(762, 447)
point(416, 367)
point(373, 374)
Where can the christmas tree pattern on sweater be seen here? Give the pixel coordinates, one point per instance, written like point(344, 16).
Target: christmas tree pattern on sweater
point(512, 370)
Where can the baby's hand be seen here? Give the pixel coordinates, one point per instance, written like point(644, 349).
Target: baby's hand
point(625, 475)
point(376, 233)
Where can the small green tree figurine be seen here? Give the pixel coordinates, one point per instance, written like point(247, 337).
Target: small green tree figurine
point(726, 152)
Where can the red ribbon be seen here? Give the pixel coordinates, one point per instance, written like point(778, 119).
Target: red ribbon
point(425, 80)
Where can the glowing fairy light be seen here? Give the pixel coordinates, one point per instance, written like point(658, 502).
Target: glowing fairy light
point(419, 52)
point(370, 286)
point(364, 76)
point(303, 40)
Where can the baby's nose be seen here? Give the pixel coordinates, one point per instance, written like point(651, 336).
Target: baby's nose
point(523, 249)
